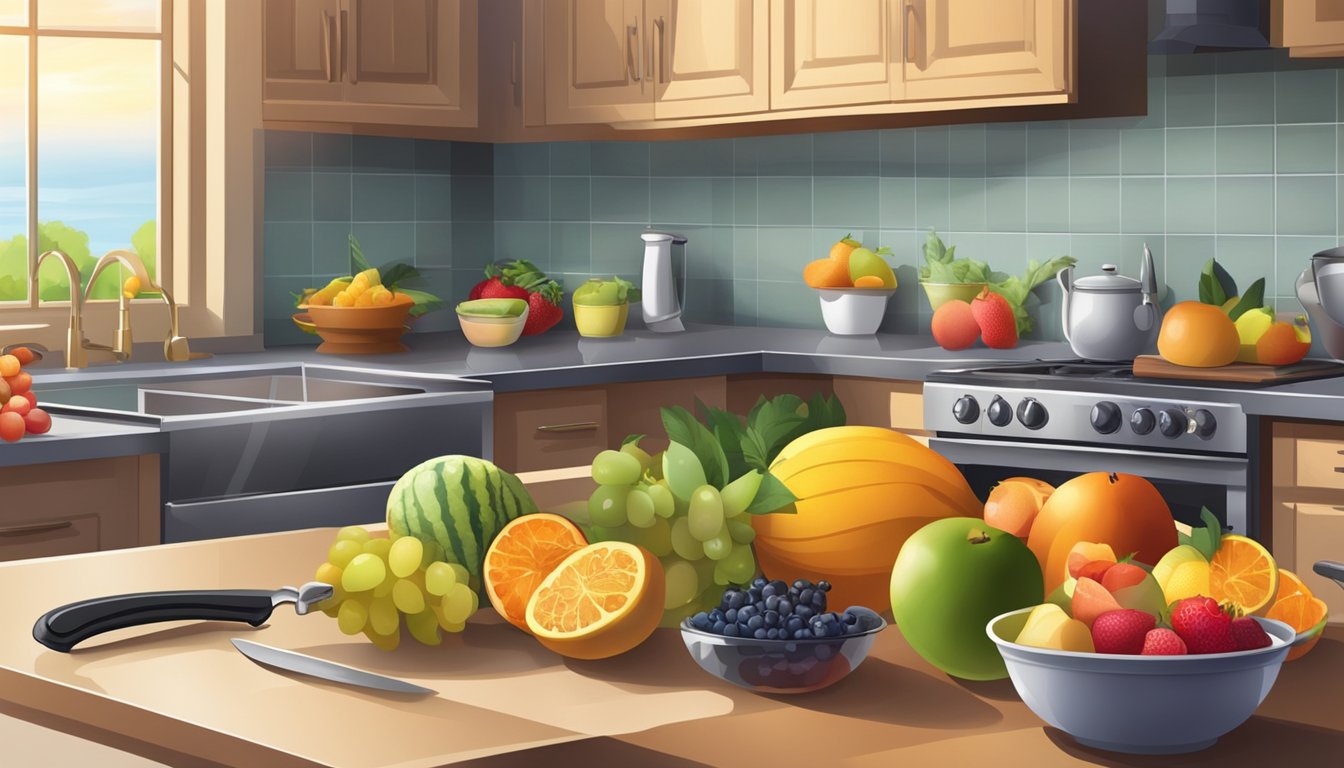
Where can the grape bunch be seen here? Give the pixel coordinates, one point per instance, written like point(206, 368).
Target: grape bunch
point(773, 610)
point(376, 581)
point(663, 504)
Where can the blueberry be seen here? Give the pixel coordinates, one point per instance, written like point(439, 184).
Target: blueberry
point(746, 612)
point(730, 615)
point(806, 595)
point(737, 599)
point(772, 618)
point(801, 584)
point(785, 607)
point(802, 634)
point(759, 634)
point(732, 630)
point(772, 634)
point(780, 586)
point(701, 621)
point(756, 622)
point(759, 582)
point(803, 612)
point(819, 600)
point(719, 626)
point(716, 615)
point(772, 603)
point(794, 624)
point(769, 591)
point(824, 585)
point(851, 617)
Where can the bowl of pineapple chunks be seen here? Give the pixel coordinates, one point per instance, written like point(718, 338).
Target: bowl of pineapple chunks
point(359, 315)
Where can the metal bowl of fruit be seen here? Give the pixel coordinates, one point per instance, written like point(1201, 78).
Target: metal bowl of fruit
point(820, 649)
point(1165, 700)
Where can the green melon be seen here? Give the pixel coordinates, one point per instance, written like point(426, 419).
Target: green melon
point(456, 505)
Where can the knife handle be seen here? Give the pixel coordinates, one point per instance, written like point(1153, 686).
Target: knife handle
point(63, 628)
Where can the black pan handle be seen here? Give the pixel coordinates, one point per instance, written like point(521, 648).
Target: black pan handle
point(65, 627)
point(1330, 570)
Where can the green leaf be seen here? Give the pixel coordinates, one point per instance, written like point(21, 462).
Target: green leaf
point(773, 497)
point(1207, 539)
point(1210, 292)
point(632, 439)
point(682, 427)
point(754, 450)
point(728, 431)
point(1222, 278)
point(394, 274)
point(357, 261)
point(1253, 298)
point(424, 302)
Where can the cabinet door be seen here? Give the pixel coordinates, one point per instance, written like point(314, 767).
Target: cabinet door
point(955, 49)
point(827, 53)
point(414, 53)
point(596, 62)
point(1307, 23)
point(300, 50)
point(711, 57)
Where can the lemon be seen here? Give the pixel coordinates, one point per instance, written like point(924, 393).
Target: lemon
point(1187, 580)
point(1174, 557)
point(131, 288)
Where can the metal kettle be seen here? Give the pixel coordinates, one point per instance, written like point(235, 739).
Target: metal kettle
point(658, 302)
point(1320, 288)
point(1110, 317)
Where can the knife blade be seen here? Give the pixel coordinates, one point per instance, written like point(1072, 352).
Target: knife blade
point(292, 661)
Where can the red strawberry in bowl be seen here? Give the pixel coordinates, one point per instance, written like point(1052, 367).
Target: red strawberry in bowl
point(1204, 626)
point(1248, 634)
point(1163, 642)
point(1122, 631)
point(543, 308)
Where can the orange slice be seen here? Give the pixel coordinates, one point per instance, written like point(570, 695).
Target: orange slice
point(1290, 584)
point(523, 553)
point(1242, 574)
point(601, 601)
point(1305, 614)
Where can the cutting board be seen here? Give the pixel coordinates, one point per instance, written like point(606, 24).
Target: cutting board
point(1154, 367)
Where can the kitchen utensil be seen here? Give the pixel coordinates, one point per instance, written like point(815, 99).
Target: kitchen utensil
point(1141, 704)
point(1155, 367)
point(854, 311)
point(600, 321)
point(303, 664)
point(493, 331)
point(659, 304)
point(941, 293)
point(1110, 316)
point(1320, 288)
point(361, 330)
point(65, 627)
point(1330, 570)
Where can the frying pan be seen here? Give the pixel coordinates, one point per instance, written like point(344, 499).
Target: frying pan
point(1330, 570)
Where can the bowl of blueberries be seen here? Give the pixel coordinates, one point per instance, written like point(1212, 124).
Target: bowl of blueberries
point(773, 637)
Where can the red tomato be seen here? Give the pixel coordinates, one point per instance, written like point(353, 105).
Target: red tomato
point(12, 426)
point(37, 422)
point(24, 355)
point(9, 365)
point(19, 404)
point(20, 382)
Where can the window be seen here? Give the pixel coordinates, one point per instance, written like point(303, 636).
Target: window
point(83, 139)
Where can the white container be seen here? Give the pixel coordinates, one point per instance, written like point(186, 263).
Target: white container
point(854, 311)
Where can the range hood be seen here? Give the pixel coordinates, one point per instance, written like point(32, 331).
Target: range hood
point(1215, 24)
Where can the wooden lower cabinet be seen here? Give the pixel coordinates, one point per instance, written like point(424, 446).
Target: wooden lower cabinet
point(69, 507)
point(1306, 502)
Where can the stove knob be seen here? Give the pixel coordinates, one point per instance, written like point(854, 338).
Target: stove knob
point(1142, 421)
point(1000, 412)
point(1031, 413)
point(1172, 422)
point(1205, 424)
point(1105, 417)
point(966, 410)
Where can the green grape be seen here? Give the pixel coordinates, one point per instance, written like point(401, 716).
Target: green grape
point(446, 625)
point(328, 574)
point(439, 579)
point(664, 505)
point(682, 583)
point(387, 642)
point(718, 547)
point(642, 456)
point(741, 532)
point(459, 604)
point(606, 507)
point(407, 597)
point(739, 566)
point(683, 470)
point(379, 547)
point(706, 513)
point(385, 586)
point(342, 552)
point(684, 544)
point(657, 538)
point(352, 617)
point(616, 468)
point(353, 533)
point(364, 572)
point(739, 494)
point(639, 508)
point(404, 556)
point(704, 571)
point(424, 626)
point(383, 616)
point(720, 576)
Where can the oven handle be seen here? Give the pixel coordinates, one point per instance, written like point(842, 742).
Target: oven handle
point(1218, 470)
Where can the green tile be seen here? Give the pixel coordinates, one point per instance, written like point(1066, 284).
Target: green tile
point(1190, 206)
point(745, 154)
point(789, 305)
point(782, 252)
point(682, 200)
point(287, 248)
point(845, 201)
point(966, 151)
point(382, 154)
point(1094, 250)
point(1306, 149)
point(1185, 258)
point(1047, 150)
point(721, 198)
point(931, 204)
point(331, 248)
point(744, 201)
point(1245, 150)
point(1246, 258)
point(1094, 152)
point(709, 301)
point(1142, 205)
point(784, 155)
point(616, 249)
point(433, 198)
point(571, 246)
point(288, 149)
point(522, 198)
point(786, 201)
point(529, 240)
point(332, 151)
point(473, 198)
point(968, 205)
point(383, 197)
point(897, 200)
point(744, 253)
point(442, 282)
point(1305, 96)
point(619, 158)
point(571, 158)
point(1292, 255)
point(1245, 205)
point(431, 156)
point(384, 241)
point(712, 157)
point(1094, 204)
point(709, 255)
point(473, 244)
point(847, 153)
point(1190, 151)
point(289, 196)
point(472, 158)
point(522, 159)
point(1143, 151)
point(620, 199)
point(1006, 150)
point(434, 244)
point(1189, 100)
point(1306, 205)
point(745, 303)
point(932, 151)
point(570, 198)
point(1245, 98)
point(1157, 100)
point(1006, 204)
point(1047, 205)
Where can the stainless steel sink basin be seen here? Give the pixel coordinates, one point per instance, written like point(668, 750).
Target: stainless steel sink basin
point(289, 388)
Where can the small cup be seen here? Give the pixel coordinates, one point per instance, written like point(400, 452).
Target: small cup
point(601, 321)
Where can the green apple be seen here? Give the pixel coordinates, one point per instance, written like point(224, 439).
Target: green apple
point(950, 578)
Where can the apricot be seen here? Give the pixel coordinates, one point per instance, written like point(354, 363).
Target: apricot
point(1198, 335)
point(1281, 345)
point(1013, 504)
point(954, 325)
point(1090, 600)
point(827, 273)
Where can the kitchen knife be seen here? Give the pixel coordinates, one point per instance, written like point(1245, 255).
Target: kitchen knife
point(291, 661)
point(63, 628)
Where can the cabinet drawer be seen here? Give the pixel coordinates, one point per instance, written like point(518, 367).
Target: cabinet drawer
point(47, 537)
point(1320, 463)
point(883, 403)
point(1320, 536)
point(550, 428)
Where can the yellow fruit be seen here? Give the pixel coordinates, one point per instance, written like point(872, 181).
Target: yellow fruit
point(1174, 557)
point(1048, 626)
point(1253, 323)
point(131, 288)
point(1187, 580)
point(1198, 336)
point(343, 299)
point(1242, 574)
point(364, 299)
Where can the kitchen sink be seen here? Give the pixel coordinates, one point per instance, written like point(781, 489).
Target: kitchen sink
point(288, 388)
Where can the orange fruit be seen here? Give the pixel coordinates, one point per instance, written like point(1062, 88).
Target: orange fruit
point(954, 325)
point(1303, 613)
point(1290, 584)
point(1013, 504)
point(523, 553)
point(869, 281)
point(827, 273)
point(1242, 573)
point(1198, 335)
point(601, 601)
point(841, 250)
point(1280, 345)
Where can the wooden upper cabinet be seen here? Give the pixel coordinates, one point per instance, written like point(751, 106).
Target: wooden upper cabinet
point(955, 49)
point(1308, 27)
point(710, 57)
point(827, 53)
point(596, 62)
point(301, 48)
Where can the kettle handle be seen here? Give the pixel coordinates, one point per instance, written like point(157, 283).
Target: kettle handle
point(1065, 279)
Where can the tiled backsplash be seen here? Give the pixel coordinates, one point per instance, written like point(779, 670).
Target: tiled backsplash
point(1237, 158)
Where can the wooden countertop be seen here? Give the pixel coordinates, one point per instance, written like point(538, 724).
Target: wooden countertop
point(182, 695)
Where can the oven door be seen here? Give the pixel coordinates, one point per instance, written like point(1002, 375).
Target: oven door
point(1187, 482)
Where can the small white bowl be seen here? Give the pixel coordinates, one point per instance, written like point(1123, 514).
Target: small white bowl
point(493, 331)
point(854, 311)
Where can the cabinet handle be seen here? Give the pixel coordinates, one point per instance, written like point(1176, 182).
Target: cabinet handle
point(662, 49)
point(349, 53)
point(906, 44)
point(326, 46)
point(576, 426)
point(634, 58)
point(24, 530)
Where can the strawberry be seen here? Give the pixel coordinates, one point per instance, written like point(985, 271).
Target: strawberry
point(1248, 634)
point(477, 289)
point(1203, 626)
point(543, 308)
point(998, 327)
point(1163, 642)
point(496, 288)
point(1121, 631)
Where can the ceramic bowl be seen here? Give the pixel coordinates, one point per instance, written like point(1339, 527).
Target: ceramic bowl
point(854, 311)
point(941, 293)
point(1141, 704)
point(492, 331)
point(360, 330)
point(601, 321)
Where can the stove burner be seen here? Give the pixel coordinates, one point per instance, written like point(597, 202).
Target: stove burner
point(1073, 369)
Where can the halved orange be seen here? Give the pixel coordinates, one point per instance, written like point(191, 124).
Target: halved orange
point(1242, 574)
point(523, 553)
point(1305, 614)
point(1290, 584)
point(601, 601)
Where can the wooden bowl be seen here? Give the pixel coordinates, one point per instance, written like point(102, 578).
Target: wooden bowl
point(361, 330)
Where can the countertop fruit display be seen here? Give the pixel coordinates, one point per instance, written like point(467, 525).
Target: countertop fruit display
point(493, 322)
point(1227, 326)
point(850, 265)
point(369, 286)
point(601, 307)
point(521, 279)
point(19, 414)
